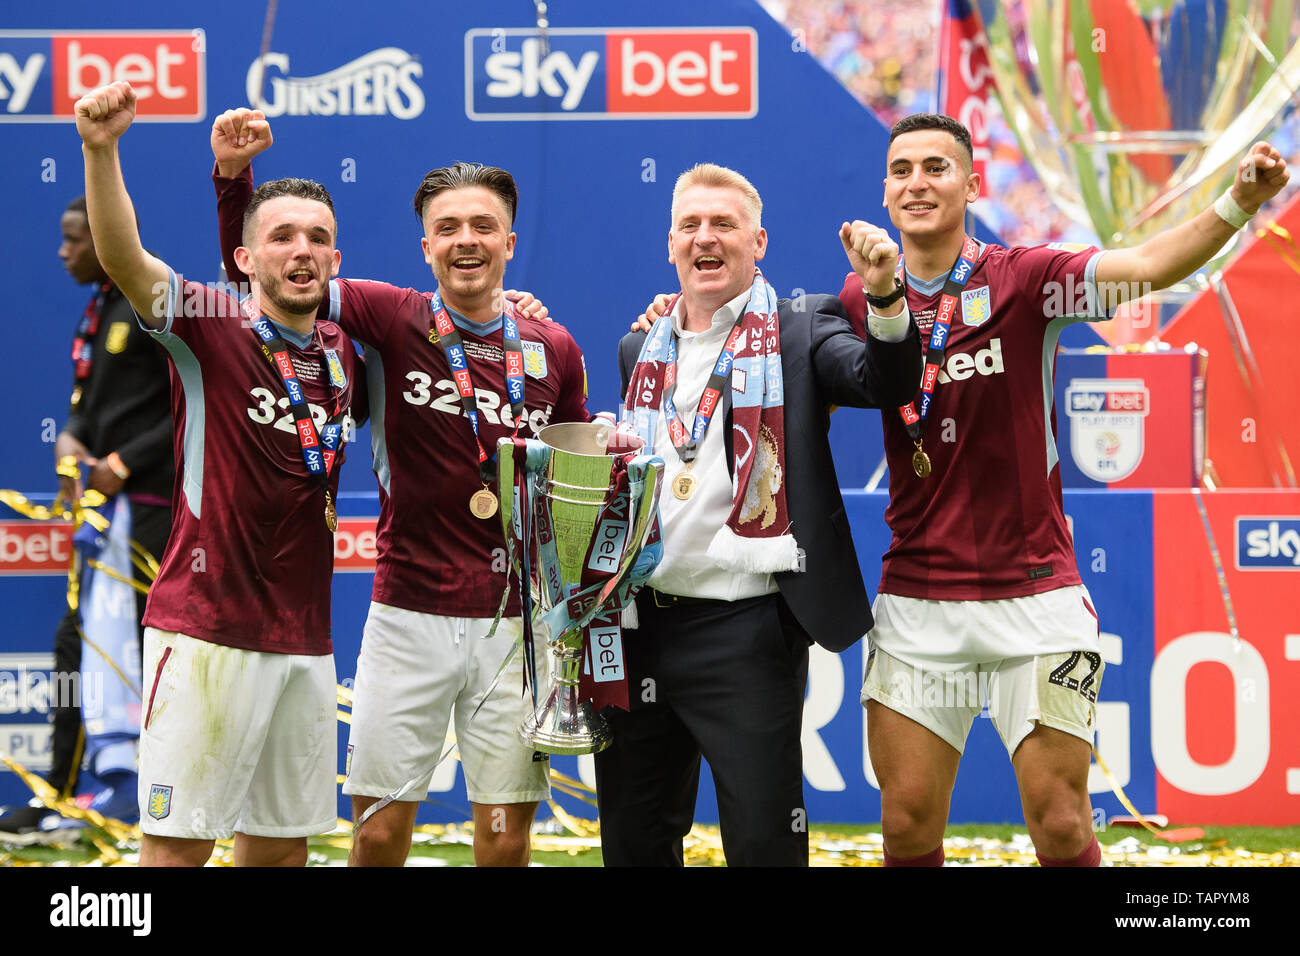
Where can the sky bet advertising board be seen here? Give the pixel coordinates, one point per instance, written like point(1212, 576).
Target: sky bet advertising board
point(595, 120)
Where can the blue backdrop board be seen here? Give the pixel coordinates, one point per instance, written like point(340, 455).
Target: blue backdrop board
point(595, 125)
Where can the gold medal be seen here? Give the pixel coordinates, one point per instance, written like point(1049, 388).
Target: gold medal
point(921, 462)
point(684, 485)
point(483, 504)
point(331, 516)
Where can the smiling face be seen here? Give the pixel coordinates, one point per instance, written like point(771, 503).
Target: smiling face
point(78, 249)
point(290, 254)
point(714, 243)
point(928, 184)
point(467, 241)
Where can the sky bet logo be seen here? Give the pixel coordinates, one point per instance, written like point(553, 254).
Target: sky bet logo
point(44, 72)
point(591, 74)
point(1265, 544)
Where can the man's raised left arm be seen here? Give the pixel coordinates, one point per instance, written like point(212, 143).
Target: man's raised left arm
point(1180, 250)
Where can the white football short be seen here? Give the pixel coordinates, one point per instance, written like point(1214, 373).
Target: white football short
point(235, 740)
point(1055, 685)
point(413, 669)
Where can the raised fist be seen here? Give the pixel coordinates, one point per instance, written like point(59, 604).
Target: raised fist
point(104, 114)
point(872, 254)
point(1261, 174)
point(237, 136)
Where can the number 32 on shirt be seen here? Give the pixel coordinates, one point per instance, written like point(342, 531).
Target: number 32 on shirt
point(264, 413)
point(489, 402)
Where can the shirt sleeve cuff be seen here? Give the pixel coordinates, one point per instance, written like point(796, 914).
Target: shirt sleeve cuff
point(889, 328)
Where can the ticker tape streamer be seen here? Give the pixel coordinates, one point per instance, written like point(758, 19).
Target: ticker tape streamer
point(80, 512)
point(115, 830)
point(1123, 797)
point(1279, 240)
point(109, 661)
point(1218, 569)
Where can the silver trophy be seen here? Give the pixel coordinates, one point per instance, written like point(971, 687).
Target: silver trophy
point(578, 508)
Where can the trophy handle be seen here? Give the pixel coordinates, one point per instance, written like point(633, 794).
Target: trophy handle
point(506, 491)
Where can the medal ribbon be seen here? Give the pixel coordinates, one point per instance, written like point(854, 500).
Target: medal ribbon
point(83, 350)
point(318, 451)
point(687, 449)
point(952, 288)
point(454, 348)
point(525, 459)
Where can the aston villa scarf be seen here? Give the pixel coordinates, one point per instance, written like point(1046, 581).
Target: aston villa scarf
point(756, 536)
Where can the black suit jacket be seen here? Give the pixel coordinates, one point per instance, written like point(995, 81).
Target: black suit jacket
point(823, 363)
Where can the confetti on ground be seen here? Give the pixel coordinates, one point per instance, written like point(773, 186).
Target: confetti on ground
point(702, 847)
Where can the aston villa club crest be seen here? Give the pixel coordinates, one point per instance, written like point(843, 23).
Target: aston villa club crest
point(1107, 432)
point(160, 801)
point(337, 378)
point(118, 334)
point(534, 359)
point(976, 306)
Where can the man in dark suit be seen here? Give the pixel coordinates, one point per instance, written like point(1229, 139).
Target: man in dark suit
point(758, 558)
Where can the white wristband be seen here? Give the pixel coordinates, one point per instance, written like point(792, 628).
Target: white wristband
point(1227, 209)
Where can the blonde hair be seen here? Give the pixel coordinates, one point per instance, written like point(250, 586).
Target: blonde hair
point(710, 174)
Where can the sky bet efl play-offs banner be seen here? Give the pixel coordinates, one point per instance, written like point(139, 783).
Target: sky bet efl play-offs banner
point(611, 74)
point(1192, 723)
point(43, 74)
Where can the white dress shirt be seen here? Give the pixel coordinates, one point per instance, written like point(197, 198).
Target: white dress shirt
point(689, 526)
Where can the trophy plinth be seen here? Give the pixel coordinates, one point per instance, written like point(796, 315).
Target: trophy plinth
point(564, 724)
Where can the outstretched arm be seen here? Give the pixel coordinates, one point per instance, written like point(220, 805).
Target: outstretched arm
point(103, 115)
point(1179, 251)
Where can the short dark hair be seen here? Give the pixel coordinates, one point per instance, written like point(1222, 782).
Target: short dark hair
point(292, 186)
point(463, 175)
point(79, 205)
point(946, 124)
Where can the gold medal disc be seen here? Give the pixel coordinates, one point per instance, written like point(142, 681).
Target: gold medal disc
point(684, 485)
point(331, 516)
point(483, 504)
point(921, 464)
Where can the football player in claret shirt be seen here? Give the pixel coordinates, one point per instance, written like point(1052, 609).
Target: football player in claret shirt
point(239, 718)
point(440, 572)
point(980, 587)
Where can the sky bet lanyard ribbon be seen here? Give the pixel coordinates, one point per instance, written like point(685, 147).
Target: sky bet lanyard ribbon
point(952, 287)
point(320, 452)
point(686, 482)
point(83, 349)
point(482, 504)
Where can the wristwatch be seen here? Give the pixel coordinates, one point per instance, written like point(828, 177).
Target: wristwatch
point(882, 301)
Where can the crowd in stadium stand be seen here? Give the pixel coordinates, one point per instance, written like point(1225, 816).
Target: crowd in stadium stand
point(882, 51)
point(885, 52)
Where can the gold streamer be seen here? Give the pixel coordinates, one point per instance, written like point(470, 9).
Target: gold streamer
point(1289, 256)
point(575, 825)
point(107, 660)
point(105, 569)
point(574, 788)
point(114, 830)
point(1123, 797)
